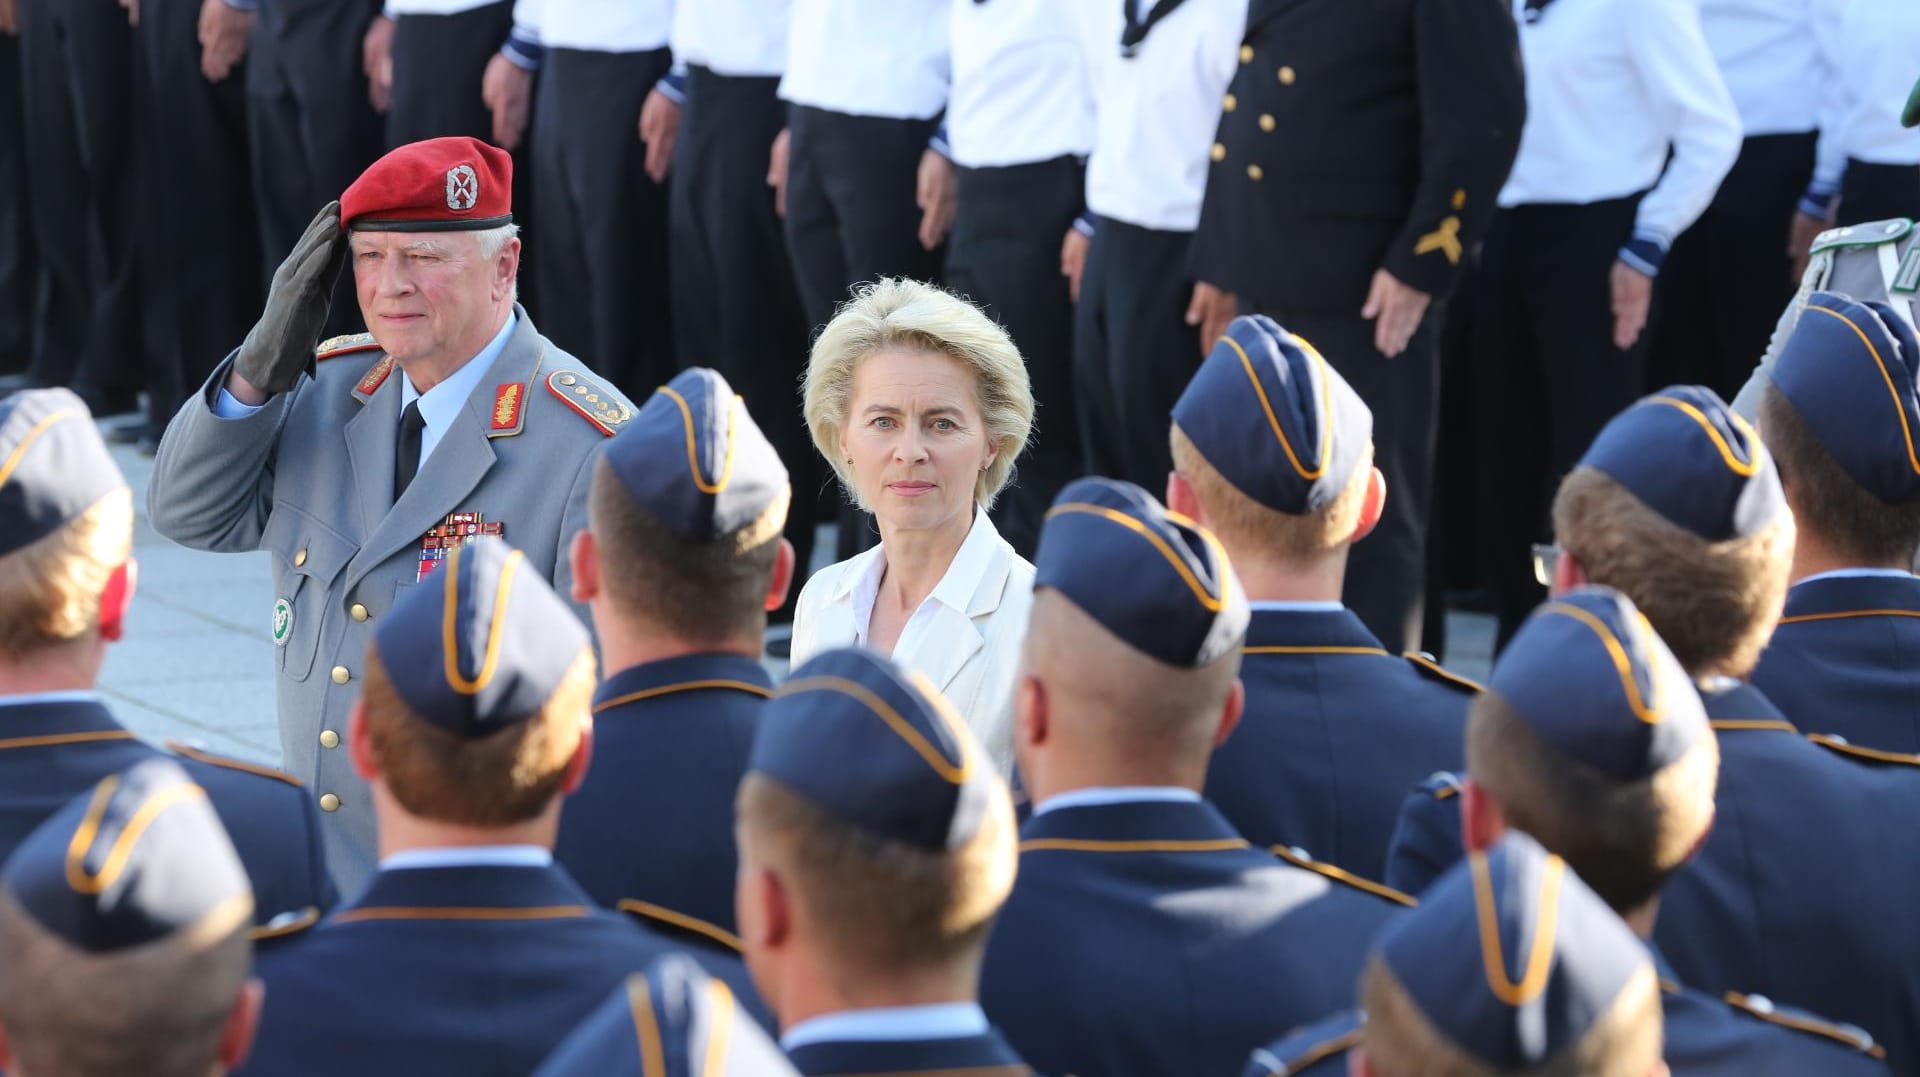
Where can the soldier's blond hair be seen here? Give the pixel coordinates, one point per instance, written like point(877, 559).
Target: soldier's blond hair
point(50, 589)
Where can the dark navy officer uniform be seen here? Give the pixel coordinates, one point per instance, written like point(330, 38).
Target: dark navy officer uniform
point(1846, 657)
point(1145, 935)
point(923, 782)
point(673, 1020)
point(137, 859)
point(471, 960)
point(671, 737)
point(53, 746)
point(1336, 728)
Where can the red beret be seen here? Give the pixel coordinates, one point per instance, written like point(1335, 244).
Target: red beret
point(440, 185)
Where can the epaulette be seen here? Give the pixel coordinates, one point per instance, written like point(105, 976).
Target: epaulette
point(1440, 785)
point(201, 756)
point(605, 409)
point(1801, 1021)
point(681, 924)
point(1839, 744)
point(1304, 1048)
point(1299, 859)
point(287, 923)
point(1871, 234)
point(344, 345)
point(1424, 665)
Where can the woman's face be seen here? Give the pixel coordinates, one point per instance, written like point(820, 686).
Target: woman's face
point(915, 439)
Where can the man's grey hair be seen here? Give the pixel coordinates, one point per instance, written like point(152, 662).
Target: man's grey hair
point(494, 240)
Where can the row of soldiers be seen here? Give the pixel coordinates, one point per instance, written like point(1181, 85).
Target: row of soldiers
point(1668, 839)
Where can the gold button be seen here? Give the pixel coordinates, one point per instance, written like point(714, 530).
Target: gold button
point(300, 558)
point(1255, 172)
point(329, 739)
point(341, 675)
point(1230, 103)
point(329, 802)
point(1246, 54)
point(1219, 151)
point(1287, 76)
point(357, 612)
point(1267, 122)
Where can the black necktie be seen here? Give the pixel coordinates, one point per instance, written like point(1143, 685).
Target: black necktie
point(406, 456)
point(1135, 30)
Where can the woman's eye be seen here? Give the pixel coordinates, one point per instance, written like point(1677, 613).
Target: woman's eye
point(943, 424)
point(883, 423)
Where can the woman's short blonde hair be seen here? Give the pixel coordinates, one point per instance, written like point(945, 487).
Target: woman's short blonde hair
point(906, 314)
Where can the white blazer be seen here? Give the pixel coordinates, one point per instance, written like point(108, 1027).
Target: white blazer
point(965, 637)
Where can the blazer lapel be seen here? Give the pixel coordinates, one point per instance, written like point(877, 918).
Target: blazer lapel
point(370, 449)
point(955, 639)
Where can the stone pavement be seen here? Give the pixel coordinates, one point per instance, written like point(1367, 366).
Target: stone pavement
point(197, 661)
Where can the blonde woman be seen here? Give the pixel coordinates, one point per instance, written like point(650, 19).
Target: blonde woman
point(921, 405)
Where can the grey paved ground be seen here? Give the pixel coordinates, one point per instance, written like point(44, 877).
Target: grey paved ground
point(197, 661)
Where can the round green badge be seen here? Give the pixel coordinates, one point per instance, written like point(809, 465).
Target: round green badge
point(282, 621)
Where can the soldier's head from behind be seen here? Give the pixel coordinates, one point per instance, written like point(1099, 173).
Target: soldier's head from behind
point(1677, 505)
point(1273, 451)
point(476, 708)
point(125, 936)
point(435, 253)
point(1842, 418)
point(683, 543)
point(66, 541)
point(876, 839)
point(1510, 966)
point(1591, 738)
point(1131, 663)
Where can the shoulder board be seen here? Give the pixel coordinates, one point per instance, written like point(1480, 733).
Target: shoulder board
point(1433, 671)
point(1300, 859)
point(1787, 1017)
point(375, 377)
point(344, 345)
point(681, 924)
point(1306, 1047)
point(287, 923)
point(603, 409)
point(1854, 751)
point(210, 759)
point(1862, 235)
point(1440, 785)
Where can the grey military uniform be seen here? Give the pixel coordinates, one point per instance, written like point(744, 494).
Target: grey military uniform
point(309, 477)
point(1877, 261)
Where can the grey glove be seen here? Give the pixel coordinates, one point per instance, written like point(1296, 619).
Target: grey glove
point(280, 345)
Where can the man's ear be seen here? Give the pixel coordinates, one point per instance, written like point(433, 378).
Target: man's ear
point(236, 1037)
point(1481, 823)
point(576, 771)
point(1358, 1064)
point(784, 565)
point(116, 599)
point(583, 555)
point(1236, 705)
point(1030, 716)
point(506, 269)
point(1183, 498)
point(360, 743)
point(1568, 573)
point(1372, 504)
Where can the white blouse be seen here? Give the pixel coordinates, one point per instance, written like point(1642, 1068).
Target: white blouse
point(965, 636)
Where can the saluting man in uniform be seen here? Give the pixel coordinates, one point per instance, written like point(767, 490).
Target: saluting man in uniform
point(453, 418)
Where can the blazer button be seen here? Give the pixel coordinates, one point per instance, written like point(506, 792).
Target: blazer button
point(1219, 151)
point(329, 802)
point(1246, 54)
point(1255, 172)
point(1229, 103)
point(357, 612)
point(329, 739)
point(1268, 123)
point(341, 675)
point(1287, 76)
point(300, 557)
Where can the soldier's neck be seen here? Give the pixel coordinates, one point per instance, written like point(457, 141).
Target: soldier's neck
point(400, 830)
point(70, 668)
point(820, 990)
point(1268, 579)
point(1813, 555)
point(624, 645)
point(1641, 917)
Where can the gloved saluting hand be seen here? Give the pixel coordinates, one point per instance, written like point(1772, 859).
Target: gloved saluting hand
point(280, 345)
